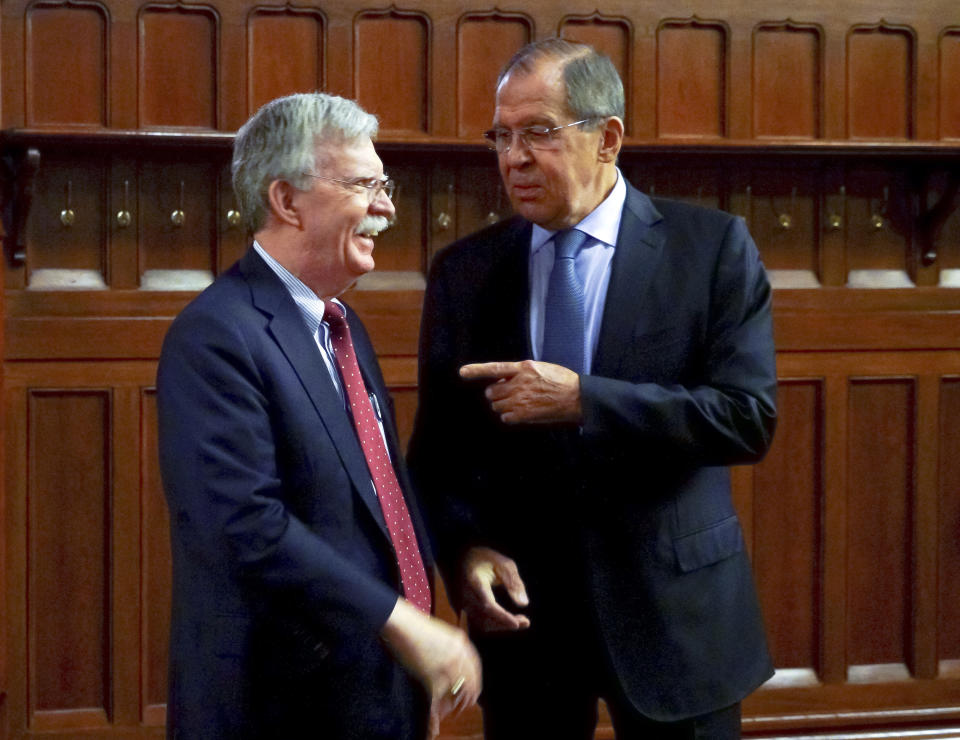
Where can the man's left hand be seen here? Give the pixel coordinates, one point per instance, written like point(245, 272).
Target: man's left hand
point(529, 391)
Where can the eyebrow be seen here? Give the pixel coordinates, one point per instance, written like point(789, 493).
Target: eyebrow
point(539, 121)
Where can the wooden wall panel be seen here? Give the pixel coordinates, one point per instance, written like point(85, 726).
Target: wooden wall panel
point(481, 199)
point(285, 53)
point(68, 572)
point(783, 215)
point(392, 52)
point(880, 494)
point(698, 184)
point(881, 67)
point(788, 81)
point(66, 64)
point(178, 66)
point(788, 493)
point(949, 522)
point(691, 78)
point(155, 570)
point(949, 94)
point(177, 251)
point(876, 251)
point(66, 241)
point(491, 37)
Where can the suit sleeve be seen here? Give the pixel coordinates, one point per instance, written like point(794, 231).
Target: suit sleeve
point(727, 414)
point(218, 458)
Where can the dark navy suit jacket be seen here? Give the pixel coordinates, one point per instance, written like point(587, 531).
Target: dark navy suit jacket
point(631, 513)
point(283, 571)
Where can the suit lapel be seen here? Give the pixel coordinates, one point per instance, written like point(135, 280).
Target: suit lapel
point(640, 245)
point(288, 330)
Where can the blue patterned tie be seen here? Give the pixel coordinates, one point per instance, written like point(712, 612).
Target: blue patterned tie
point(563, 322)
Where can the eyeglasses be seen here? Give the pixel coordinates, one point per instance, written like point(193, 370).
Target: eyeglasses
point(372, 185)
point(532, 137)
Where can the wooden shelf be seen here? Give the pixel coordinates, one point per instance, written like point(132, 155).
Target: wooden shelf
point(940, 151)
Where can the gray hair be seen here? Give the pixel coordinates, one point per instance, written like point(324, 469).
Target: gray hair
point(594, 88)
point(280, 142)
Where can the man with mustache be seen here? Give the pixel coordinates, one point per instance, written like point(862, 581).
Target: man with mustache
point(589, 370)
point(301, 594)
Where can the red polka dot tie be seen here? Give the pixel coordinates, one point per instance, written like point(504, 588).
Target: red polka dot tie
point(413, 575)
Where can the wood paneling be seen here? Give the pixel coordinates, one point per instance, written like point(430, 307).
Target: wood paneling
point(66, 241)
point(949, 95)
point(880, 82)
point(178, 66)
point(155, 569)
point(177, 222)
point(880, 494)
point(787, 81)
point(393, 53)
point(691, 78)
point(876, 245)
point(492, 37)
point(788, 497)
point(948, 551)
point(66, 63)
point(783, 216)
point(285, 53)
point(68, 470)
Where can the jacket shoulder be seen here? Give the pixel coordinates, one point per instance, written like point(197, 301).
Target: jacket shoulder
point(678, 212)
point(482, 247)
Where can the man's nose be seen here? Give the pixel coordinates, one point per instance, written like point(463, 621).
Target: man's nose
point(518, 153)
point(382, 205)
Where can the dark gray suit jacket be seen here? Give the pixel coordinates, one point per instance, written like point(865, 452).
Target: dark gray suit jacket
point(637, 500)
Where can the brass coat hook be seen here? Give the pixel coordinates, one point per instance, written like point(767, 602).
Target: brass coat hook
point(834, 218)
point(67, 215)
point(177, 217)
point(444, 219)
point(785, 218)
point(878, 216)
point(123, 215)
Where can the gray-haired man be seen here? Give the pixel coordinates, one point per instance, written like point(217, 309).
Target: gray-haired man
point(301, 594)
point(589, 369)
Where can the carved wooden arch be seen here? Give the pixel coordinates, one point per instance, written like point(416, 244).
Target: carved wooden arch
point(292, 11)
point(183, 8)
point(890, 29)
point(30, 88)
point(470, 118)
point(422, 111)
point(792, 26)
point(698, 23)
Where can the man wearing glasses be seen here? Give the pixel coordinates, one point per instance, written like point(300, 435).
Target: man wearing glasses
point(301, 594)
point(589, 369)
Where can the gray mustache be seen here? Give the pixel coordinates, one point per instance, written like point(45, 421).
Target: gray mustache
point(372, 224)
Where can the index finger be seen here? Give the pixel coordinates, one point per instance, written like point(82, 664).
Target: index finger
point(490, 370)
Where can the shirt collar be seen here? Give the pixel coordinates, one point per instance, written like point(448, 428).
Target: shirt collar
point(311, 307)
point(601, 224)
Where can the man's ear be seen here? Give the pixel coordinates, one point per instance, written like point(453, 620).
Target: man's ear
point(280, 196)
point(611, 139)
